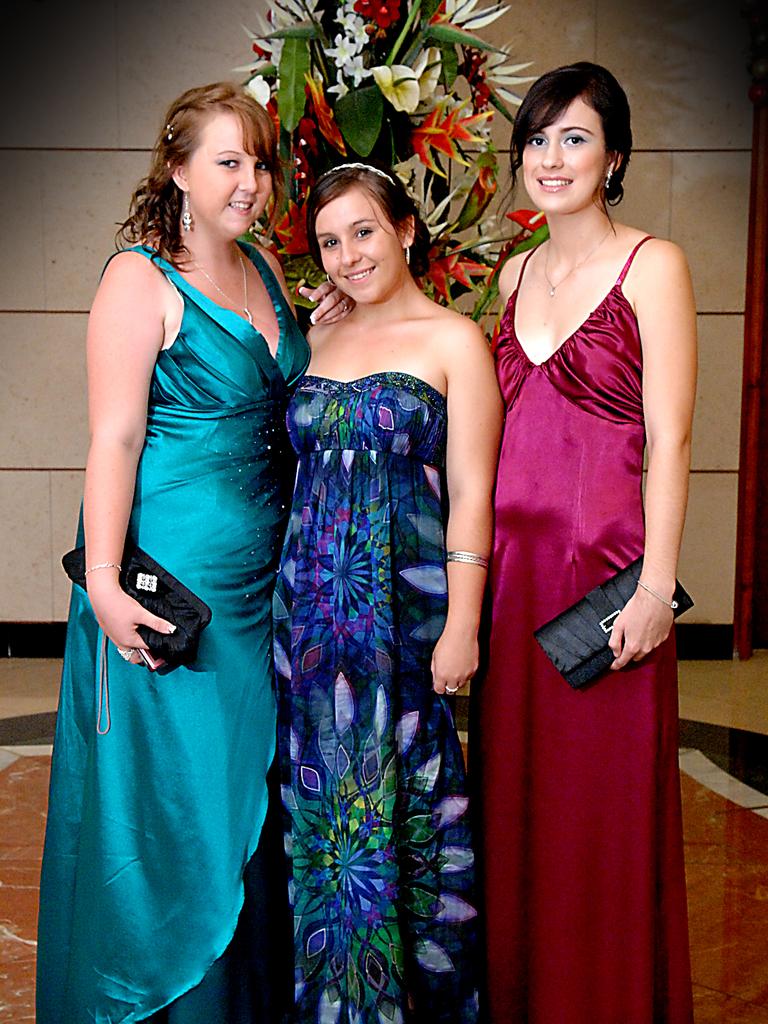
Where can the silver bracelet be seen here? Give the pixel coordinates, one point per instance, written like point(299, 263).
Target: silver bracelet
point(670, 604)
point(467, 556)
point(104, 565)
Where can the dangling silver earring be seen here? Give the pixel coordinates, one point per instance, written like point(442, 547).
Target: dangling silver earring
point(608, 177)
point(408, 255)
point(186, 214)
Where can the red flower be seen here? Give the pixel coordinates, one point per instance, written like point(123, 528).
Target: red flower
point(473, 69)
point(305, 156)
point(291, 230)
point(383, 12)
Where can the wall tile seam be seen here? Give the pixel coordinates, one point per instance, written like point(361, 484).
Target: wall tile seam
point(50, 535)
point(74, 149)
point(136, 149)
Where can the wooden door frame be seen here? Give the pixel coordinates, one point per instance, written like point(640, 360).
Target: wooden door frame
point(754, 412)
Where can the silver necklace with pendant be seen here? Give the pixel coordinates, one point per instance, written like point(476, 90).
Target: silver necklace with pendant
point(229, 299)
point(553, 287)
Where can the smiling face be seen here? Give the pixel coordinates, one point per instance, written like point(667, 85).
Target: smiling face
point(565, 163)
point(228, 187)
point(362, 252)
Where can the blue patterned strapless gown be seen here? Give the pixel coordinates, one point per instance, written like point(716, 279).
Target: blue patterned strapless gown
point(372, 768)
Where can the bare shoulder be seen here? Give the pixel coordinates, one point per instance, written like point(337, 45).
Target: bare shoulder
point(131, 268)
point(271, 259)
point(510, 275)
point(131, 281)
point(456, 331)
point(659, 264)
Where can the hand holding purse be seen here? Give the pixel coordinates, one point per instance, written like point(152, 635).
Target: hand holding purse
point(145, 580)
point(576, 640)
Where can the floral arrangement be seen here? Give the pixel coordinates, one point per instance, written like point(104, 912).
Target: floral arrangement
point(407, 83)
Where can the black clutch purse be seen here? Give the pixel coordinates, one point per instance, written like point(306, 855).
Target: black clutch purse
point(576, 640)
point(160, 593)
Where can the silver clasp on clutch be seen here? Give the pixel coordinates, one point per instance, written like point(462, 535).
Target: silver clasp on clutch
point(146, 581)
point(606, 624)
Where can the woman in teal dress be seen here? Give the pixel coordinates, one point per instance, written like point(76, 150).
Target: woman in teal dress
point(156, 843)
point(372, 629)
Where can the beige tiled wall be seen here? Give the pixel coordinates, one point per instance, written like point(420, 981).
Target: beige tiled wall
point(84, 88)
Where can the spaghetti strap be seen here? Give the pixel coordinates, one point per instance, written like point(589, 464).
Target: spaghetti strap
point(522, 269)
point(630, 258)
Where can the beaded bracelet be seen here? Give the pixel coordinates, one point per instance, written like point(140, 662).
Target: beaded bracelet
point(104, 565)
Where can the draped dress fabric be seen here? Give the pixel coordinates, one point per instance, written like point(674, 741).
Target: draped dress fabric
point(152, 824)
point(373, 773)
point(582, 856)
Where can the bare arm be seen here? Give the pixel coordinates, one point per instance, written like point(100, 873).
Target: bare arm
point(333, 304)
point(126, 329)
point(474, 430)
point(666, 314)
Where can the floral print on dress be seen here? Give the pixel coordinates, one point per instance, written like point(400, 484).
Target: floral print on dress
point(373, 774)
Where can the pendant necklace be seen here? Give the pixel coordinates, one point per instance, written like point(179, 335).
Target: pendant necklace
point(221, 291)
point(576, 266)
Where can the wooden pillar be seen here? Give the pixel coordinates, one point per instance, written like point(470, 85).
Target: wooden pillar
point(752, 533)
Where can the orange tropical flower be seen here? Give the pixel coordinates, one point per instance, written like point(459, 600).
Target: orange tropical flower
point(457, 267)
point(291, 230)
point(442, 131)
point(325, 119)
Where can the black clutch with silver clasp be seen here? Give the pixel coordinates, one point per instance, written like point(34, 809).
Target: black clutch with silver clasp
point(145, 580)
point(576, 640)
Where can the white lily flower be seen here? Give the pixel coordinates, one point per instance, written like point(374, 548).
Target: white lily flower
point(354, 28)
point(399, 85)
point(427, 70)
point(343, 52)
point(340, 88)
point(356, 70)
point(259, 89)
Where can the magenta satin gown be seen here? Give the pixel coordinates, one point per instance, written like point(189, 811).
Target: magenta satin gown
point(581, 838)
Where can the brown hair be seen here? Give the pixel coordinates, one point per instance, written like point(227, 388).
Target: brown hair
point(388, 191)
point(155, 210)
point(551, 94)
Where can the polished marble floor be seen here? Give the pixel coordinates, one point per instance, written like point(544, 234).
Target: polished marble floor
point(724, 774)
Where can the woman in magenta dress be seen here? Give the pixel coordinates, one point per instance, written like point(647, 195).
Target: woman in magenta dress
point(582, 852)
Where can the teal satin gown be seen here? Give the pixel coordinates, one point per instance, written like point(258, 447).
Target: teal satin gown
point(151, 825)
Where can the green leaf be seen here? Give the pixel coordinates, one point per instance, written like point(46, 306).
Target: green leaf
point(428, 8)
point(294, 64)
point(441, 33)
point(500, 106)
point(301, 30)
point(450, 66)
point(359, 115)
point(539, 235)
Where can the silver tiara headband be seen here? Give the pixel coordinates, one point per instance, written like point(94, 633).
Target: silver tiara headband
point(357, 167)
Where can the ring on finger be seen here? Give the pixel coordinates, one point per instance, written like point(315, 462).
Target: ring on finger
point(125, 652)
point(451, 689)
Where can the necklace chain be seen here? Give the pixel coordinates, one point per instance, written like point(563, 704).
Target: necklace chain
point(553, 287)
point(229, 299)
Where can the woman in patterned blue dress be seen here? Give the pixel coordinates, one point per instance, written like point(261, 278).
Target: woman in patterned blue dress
point(373, 628)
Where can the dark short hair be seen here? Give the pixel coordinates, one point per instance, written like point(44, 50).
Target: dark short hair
point(389, 192)
point(550, 95)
